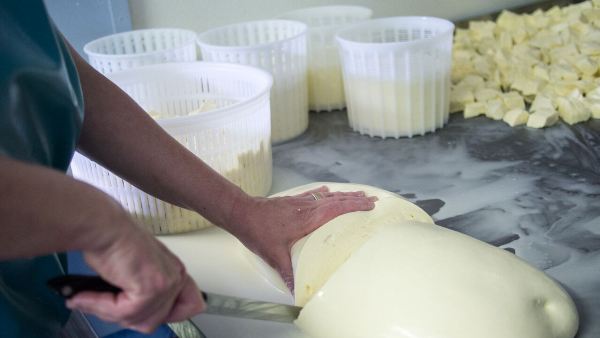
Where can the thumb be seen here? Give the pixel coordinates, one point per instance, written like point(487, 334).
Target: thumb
point(102, 304)
point(283, 265)
point(189, 302)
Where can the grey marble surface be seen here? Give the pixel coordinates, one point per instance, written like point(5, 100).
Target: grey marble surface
point(533, 192)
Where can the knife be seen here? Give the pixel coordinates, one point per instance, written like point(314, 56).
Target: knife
point(68, 286)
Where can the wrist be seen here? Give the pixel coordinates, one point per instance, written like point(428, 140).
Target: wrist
point(104, 226)
point(237, 216)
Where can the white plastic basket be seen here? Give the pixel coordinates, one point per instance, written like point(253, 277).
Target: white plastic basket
point(233, 137)
point(141, 47)
point(397, 75)
point(325, 86)
point(277, 46)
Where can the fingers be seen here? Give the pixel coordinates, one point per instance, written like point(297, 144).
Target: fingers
point(319, 195)
point(331, 208)
point(116, 309)
point(188, 303)
point(320, 189)
point(342, 204)
point(120, 309)
point(146, 319)
point(283, 265)
point(154, 282)
point(324, 195)
point(101, 304)
point(130, 313)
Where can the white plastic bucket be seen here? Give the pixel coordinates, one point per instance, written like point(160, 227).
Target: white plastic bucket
point(277, 46)
point(397, 75)
point(233, 137)
point(142, 47)
point(325, 86)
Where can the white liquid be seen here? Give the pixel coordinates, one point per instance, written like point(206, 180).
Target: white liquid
point(389, 108)
point(326, 88)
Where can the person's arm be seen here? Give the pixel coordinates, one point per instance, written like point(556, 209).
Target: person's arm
point(120, 135)
point(67, 214)
point(45, 211)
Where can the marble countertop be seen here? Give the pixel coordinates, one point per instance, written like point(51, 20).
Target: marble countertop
point(533, 192)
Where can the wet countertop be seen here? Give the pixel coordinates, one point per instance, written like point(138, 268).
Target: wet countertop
point(533, 192)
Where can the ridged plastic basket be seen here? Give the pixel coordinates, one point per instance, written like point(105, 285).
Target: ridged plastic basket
point(233, 136)
point(397, 75)
point(325, 86)
point(142, 47)
point(277, 46)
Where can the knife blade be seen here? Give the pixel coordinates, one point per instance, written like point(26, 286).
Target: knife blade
point(250, 309)
point(68, 286)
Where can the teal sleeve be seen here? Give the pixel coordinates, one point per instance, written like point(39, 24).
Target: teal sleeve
point(41, 112)
point(40, 98)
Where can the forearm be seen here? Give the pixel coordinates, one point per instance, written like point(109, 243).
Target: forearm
point(44, 211)
point(120, 135)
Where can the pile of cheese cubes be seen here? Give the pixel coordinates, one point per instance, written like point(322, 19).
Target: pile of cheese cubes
point(530, 69)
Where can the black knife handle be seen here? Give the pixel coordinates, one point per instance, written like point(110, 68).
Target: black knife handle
point(68, 286)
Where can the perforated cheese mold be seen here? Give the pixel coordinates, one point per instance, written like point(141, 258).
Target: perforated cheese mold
point(233, 137)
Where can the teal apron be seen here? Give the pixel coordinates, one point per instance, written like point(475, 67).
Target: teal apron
point(41, 112)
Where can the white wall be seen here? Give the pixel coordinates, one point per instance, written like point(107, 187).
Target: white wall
point(200, 15)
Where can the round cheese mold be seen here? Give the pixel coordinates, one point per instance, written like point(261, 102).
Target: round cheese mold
point(396, 74)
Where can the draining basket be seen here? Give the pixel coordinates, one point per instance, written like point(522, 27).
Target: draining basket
point(325, 87)
point(397, 75)
point(142, 47)
point(277, 46)
point(232, 136)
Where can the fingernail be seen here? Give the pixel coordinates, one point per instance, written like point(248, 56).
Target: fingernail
point(373, 198)
point(136, 328)
point(202, 305)
point(361, 193)
point(290, 284)
point(142, 328)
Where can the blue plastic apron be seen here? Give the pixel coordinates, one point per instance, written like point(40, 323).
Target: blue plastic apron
point(40, 119)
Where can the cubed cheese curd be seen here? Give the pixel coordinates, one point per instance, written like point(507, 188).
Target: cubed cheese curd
point(526, 85)
point(542, 118)
point(474, 109)
point(594, 94)
point(459, 97)
point(585, 65)
point(485, 94)
point(594, 108)
point(513, 100)
point(572, 110)
point(516, 117)
point(495, 109)
point(542, 102)
point(537, 57)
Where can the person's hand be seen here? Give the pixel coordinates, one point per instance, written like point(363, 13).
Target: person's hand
point(270, 226)
point(156, 287)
